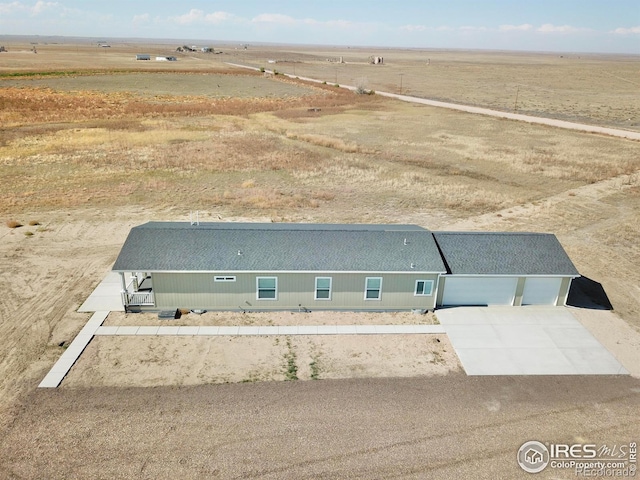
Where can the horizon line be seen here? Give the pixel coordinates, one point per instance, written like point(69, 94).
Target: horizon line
point(294, 44)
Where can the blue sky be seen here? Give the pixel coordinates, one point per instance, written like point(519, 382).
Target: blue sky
point(539, 25)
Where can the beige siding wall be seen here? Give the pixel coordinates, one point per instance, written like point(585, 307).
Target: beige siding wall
point(199, 291)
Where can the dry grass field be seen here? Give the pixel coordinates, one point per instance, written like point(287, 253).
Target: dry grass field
point(592, 89)
point(93, 142)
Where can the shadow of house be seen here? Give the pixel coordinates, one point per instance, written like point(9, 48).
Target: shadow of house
point(587, 293)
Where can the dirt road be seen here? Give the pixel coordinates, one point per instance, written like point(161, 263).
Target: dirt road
point(447, 427)
point(483, 111)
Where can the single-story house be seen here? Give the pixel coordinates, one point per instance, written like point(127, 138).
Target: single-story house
point(286, 266)
point(503, 268)
point(277, 266)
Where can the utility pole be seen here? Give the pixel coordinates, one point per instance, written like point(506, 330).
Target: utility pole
point(515, 105)
point(401, 74)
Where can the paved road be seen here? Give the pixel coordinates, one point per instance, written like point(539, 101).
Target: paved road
point(451, 427)
point(485, 111)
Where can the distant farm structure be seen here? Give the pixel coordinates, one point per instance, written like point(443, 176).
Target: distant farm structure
point(374, 60)
point(143, 56)
point(166, 59)
point(195, 49)
point(2, 49)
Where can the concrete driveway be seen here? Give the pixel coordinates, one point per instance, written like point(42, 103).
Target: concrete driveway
point(525, 341)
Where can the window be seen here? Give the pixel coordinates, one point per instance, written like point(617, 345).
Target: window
point(424, 287)
point(224, 279)
point(267, 288)
point(323, 288)
point(373, 288)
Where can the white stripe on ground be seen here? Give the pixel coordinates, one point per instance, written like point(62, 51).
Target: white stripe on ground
point(73, 351)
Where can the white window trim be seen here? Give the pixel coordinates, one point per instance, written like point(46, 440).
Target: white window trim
point(258, 289)
point(415, 289)
point(315, 291)
point(366, 282)
point(224, 278)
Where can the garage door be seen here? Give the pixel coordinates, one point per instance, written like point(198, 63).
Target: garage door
point(541, 291)
point(479, 290)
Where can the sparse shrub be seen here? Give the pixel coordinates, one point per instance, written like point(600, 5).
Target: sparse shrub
point(261, 69)
point(28, 233)
point(361, 87)
point(248, 183)
point(315, 369)
point(33, 223)
point(337, 85)
point(290, 357)
point(13, 224)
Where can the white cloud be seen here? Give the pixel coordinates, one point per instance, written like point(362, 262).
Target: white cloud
point(199, 16)
point(7, 8)
point(470, 29)
point(413, 28)
point(550, 28)
point(627, 31)
point(525, 27)
point(276, 18)
point(41, 7)
point(280, 19)
point(35, 9)
point(144, 18)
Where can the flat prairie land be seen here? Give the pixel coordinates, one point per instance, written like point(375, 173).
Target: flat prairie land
point(593, 89)
point(93, 143)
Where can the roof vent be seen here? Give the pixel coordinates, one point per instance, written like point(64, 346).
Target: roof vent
point(413, 265)
point(239, 252)
point(196, 220)
point(405, 242)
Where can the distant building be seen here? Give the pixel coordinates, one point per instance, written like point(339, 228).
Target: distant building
point(166, 59)
point(143, 56)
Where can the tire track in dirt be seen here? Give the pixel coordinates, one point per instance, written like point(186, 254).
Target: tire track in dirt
point(44, 280)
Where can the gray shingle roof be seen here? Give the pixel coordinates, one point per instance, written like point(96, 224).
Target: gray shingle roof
point(172, 246)
point(504, 253)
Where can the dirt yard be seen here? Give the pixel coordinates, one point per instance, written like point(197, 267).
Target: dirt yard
point(81, 165)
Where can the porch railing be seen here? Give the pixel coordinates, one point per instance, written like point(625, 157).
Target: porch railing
point(139, 298)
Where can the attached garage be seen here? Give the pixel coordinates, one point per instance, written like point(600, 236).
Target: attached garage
point(541, 290)
point(479, 291)
point(503, 268)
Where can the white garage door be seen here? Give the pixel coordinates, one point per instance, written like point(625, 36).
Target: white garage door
point(479, 291)
point(541, 291)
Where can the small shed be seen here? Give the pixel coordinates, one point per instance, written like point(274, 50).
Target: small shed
point(503, 268)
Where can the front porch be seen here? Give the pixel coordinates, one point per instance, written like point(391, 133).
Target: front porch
point(137, 290)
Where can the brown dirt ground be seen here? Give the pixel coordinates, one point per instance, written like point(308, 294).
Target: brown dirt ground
point(85, 168)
